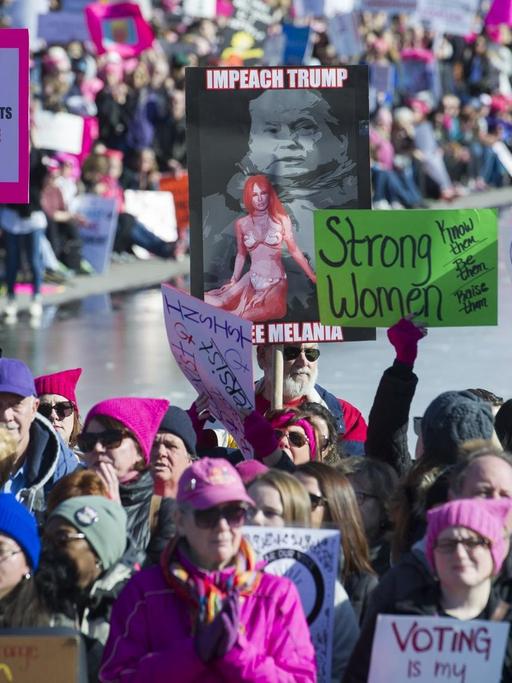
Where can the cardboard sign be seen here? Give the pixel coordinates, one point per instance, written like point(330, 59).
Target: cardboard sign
point(14, 116)
point(59, 131)
point(309, 558)
point(44, 654)
point(118, 28)
point(375, 267)
point(155, 210)
point(60, 28)
point(214, 351)
point(98, 236)
point(441, 649)
point(303, 132)
point(178, 187)
point(456, 17)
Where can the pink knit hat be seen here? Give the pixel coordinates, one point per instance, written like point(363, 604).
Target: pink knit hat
point(62, 383)
point(142, 416)
point(484, 517)
point(250, 469)
point(209, 482)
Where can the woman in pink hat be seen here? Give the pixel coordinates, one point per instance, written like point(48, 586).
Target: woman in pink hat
point(116, 442)
point(57, 402)
point(207, 613)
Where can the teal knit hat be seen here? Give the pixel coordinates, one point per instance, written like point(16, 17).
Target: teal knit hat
point(103, 523)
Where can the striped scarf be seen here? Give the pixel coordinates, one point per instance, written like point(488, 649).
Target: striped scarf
point(206, 591)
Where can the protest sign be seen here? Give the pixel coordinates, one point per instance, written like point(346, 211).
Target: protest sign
point(118, 28)
point(322, 8)
point(155, 210)
point(374, 267)
point(302, 134)
point(43, 654)
point(499, 13)
point(178, 187)
point(204, 9)
point(449, 16)
point(98, 235)
point(440, 649)
point(59, 131)
point(76, 6)
point(14, 116)
point(214, 351)
point(60, 28)
point(343, 32)
point(389, 6)
point(309, 558)
point(298, 45)
point(245, 33)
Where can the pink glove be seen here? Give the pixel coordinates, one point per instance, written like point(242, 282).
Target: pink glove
point(216, 639)
point(260, 434)
point(405, 336)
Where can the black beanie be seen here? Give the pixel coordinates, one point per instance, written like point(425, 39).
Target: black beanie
point(452, 418)
point(177, 422)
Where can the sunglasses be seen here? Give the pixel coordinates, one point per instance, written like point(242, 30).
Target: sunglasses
point(63, 409)
point(316, 501)
point(295, 438)
point(110, 438)
point(448, 547)
point(293, 352)
point(235, 515)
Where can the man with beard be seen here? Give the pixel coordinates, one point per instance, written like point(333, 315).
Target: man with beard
point(40, 457)
point(300, 373)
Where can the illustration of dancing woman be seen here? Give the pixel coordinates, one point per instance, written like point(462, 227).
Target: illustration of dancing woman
point(261, 293)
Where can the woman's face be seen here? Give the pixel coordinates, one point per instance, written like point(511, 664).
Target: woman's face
point(122, 457)
point(260, 198)
point(13, 565)
point(269, 506)
point(62, 415)
point(293, 441)
point(462, 558)
point(69, 541)
point(316, 497)
point(213, 535)
point(369, 507)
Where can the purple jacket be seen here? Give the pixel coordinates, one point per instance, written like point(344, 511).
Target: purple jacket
point(150, 637)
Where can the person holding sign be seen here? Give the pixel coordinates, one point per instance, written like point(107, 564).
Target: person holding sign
point(207, 613)
point(261, 293)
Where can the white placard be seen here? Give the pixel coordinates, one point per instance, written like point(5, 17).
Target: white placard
point(205, 9)
point(309, 558)
point(389, 6)
point(60, 132)
point(98, 236)
point(440, 649)
point(449, 16)
point(156, 211)
point(214, 351)
point(343, 32)
point(60, 28)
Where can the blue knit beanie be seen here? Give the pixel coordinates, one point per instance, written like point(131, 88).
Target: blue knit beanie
point(18, 523)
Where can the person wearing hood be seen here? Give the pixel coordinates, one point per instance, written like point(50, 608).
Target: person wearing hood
point(58, 404)
point(208, 613)
point(40, 457)
point(82, 572)
point(116, 442)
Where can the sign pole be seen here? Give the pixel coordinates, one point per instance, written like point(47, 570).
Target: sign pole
point(277, 377)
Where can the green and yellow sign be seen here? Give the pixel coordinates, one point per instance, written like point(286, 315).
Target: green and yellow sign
point(374, 267)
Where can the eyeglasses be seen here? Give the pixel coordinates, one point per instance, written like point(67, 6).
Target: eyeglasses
point(110, 438)
point(447, 547)
point(235, 516)
point(64, 537)
point(293, 352)
point(63, 409)
point(362, 496)
point(316, 501)
point(295, 438)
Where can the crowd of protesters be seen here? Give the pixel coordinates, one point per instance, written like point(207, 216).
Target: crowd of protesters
point(440, 108)
point(127, 524)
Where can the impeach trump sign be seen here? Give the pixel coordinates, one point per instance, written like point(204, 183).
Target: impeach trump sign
point(428, 649)
point(374, 267)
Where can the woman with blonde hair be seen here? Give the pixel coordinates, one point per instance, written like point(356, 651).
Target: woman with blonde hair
point(280, 499)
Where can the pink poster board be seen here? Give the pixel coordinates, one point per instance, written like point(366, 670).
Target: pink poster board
point(118, 28)
point(14, 116)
